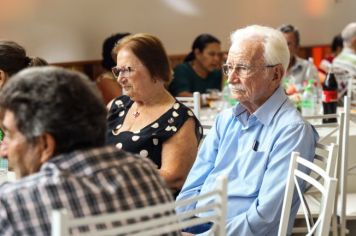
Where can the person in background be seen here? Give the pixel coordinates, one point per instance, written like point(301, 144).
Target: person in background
point(106, 82)
point(299, 70)
point(58, 153)
point(200, 70)
point(345, 63)
point(148, 120)
point(337, 45)
point(252, 142)
point(13, 58)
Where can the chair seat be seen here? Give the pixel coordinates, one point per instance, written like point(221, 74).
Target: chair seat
point(314, 207)
point(350, 206)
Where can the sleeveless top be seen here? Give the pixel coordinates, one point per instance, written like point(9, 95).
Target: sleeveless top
point(148, 141)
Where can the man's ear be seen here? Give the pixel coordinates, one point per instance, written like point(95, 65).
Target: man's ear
point(278, 73)
point(353, 43)
point(197, 52)
point(3, 78)
point(48, 145)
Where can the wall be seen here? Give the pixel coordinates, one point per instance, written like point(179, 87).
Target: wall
point(67, 30)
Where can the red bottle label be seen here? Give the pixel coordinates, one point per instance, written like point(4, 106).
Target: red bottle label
point(329, 96)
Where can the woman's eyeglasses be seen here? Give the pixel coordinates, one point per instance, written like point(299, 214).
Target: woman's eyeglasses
point(121, 71)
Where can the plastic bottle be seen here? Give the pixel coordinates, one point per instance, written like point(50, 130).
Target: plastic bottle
point(308, 73)
point(227, 96)
point(308, 104)
point(316, 97)
point(311, 74)
point(330, 96)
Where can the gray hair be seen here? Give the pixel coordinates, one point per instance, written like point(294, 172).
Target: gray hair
point(275, 45)
point(62, 103)
point(348, 33)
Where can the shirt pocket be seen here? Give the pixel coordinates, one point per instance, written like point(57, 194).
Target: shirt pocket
point(250, 169)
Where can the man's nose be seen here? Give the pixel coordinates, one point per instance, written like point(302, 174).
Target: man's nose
point(233, 78)
point(121, 79)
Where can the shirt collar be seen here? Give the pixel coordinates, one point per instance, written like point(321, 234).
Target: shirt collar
point(85, 161)
point(347, 50)
point(266, 112)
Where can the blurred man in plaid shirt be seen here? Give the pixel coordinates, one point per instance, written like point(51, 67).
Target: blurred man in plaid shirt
point(54, 123)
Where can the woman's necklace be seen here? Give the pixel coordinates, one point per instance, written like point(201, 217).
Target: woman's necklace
point(136, 113)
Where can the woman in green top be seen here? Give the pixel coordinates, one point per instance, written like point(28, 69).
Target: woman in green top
point(200, 70)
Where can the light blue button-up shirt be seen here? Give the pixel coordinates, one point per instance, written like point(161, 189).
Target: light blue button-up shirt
point(254, 152)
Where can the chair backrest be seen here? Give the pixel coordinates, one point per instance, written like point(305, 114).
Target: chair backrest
point(206, 129)
point(327, 191)
point(351, 91)
point(152, 220)
point(341, 128)
point(326, 158)
point(192, 102)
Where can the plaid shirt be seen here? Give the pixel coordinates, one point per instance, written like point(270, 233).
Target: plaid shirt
point(83, 182)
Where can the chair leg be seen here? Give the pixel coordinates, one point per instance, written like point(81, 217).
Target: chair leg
point(334, 225)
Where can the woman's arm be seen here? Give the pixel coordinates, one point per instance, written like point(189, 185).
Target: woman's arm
point(178, 155)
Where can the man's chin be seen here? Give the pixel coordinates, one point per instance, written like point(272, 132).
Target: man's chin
point(237, 97)
point(237, 93)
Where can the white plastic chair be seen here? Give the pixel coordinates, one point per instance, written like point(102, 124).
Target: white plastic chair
point(145, 223)
point(350, 209)
point(341, 129)
point(206, 129)
point(327, 191)
point(351, 91)
point(192, 102)
point(326, 159)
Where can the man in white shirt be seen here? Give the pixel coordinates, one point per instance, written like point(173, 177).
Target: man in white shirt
point(345, 63)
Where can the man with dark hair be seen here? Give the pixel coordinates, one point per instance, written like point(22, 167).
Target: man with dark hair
point(55, 122)
point(299, 70)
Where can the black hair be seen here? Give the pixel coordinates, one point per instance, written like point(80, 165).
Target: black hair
point(200, 43)
point(337, 42)
point(108, 45)
point(13, 58)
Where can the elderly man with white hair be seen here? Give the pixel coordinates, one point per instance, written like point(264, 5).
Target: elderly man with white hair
point(345, 62)
point(252, 142)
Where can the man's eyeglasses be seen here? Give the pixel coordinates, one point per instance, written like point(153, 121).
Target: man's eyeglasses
point(242, 71)
point(121, 71)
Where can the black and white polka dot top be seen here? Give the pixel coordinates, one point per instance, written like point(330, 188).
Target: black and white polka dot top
point(148, 141)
